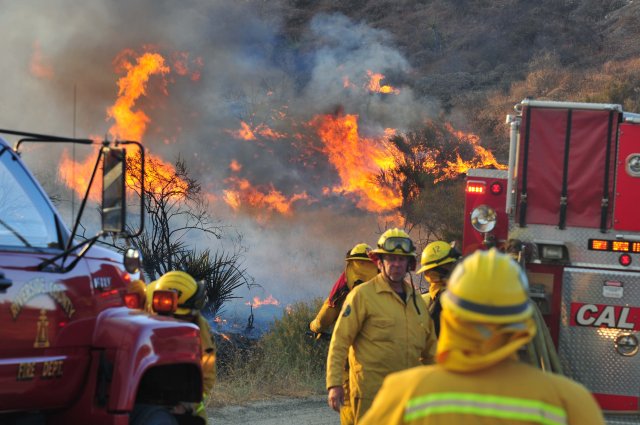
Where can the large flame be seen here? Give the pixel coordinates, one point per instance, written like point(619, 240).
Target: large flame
point(130, 124)
point(358, 161)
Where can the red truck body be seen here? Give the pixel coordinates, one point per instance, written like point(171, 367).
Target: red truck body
point(570, 208)
point(71, 352)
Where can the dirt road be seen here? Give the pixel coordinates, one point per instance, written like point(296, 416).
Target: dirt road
point(303, 411)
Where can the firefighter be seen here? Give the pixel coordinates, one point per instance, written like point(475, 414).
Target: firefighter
point(383, 327)
point(486, 318)
point(191, 297)
point(438, 260)
point(359, 268)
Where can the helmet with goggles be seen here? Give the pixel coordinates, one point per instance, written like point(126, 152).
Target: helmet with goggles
point(395, 242)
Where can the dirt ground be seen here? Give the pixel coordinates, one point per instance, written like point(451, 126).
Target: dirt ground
point(300, 411)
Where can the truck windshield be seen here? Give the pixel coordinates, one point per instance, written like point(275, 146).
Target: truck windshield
point(26, 219)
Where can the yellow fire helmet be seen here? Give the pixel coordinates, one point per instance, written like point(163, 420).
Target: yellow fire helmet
point(191, 294)
point(359, 252)
point(395, 241)
point(488, 287)
point(437, 254)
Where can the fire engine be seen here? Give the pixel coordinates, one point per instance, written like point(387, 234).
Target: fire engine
point(567, 207)
point(73, 351)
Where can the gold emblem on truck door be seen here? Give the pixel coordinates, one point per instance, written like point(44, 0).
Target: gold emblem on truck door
point(42, 333)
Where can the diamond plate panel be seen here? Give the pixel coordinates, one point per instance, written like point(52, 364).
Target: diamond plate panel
point(588, 354)
point(622, 419)
point(576, 239)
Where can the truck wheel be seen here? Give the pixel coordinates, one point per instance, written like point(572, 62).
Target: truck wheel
point(152, 415)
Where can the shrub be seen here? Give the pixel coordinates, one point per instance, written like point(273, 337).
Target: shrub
point(284, 362)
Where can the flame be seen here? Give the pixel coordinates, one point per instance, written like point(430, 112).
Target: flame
point(76, 175)
point(483, 158)
point(257, 302)
point(235, 166)
point(183, 66)
point(375, 87)
point(358, 161)
point(246, 132)
point(128, 124)
point(39, 66)
point(271, 199)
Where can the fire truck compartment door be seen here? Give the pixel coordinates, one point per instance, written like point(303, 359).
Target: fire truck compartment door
point(561, 151)
point(599, 332)
point(626, 210)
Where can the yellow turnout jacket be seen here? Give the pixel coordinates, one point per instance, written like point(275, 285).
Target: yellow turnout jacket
point(381, 334)
point(509, 393)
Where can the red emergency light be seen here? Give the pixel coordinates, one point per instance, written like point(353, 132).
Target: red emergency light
point(164, 302)
point(132, 300)
point(474, 186)
point(495, 188)
point(625, 259)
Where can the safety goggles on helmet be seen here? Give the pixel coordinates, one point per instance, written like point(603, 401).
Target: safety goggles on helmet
point(403, 244)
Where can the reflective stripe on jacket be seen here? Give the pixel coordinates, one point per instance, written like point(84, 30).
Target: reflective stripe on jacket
point(508, 393)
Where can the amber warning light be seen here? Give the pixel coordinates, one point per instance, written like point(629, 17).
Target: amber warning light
point(614, 245)
point(165, 302)
point(476, 187)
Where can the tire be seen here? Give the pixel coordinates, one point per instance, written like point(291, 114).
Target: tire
point(144, 414)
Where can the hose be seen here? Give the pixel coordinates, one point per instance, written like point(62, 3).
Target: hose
point(541, 350)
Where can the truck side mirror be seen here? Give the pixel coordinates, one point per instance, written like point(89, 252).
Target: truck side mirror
point(113, 190)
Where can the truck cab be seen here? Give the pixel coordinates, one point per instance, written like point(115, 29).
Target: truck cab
point(72, 351)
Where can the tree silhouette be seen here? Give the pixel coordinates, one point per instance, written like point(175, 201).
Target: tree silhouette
point(176, 214)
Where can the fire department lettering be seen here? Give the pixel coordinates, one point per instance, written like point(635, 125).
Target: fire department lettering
point(605, 316)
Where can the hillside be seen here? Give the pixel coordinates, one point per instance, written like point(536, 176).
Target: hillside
point(479, 57)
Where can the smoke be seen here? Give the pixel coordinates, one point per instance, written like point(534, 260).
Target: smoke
point(230, 64)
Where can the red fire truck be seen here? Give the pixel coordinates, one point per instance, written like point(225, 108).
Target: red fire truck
point(568, 208)
point(72, 352)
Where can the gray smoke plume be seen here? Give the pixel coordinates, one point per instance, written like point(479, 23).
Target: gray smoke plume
point(58, 77)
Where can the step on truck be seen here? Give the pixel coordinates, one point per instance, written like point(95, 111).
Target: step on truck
point(72, 350)
point(568, 207)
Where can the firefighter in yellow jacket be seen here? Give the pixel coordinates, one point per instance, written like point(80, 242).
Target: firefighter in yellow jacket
point(437, 261)
point(384, 327)
point(486, 318)
point(191, 297)
point(359, 269)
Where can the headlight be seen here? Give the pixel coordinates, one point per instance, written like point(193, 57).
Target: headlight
point(483, 218)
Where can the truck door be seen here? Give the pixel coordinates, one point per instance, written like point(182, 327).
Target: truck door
point(43, 354)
